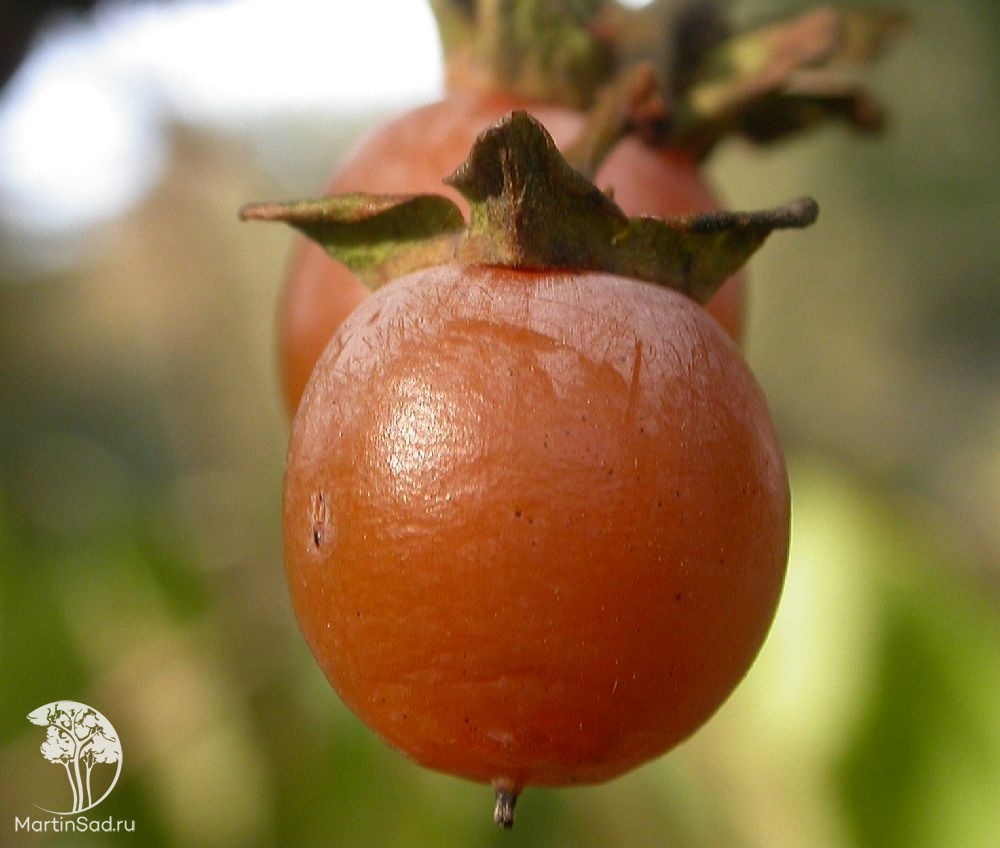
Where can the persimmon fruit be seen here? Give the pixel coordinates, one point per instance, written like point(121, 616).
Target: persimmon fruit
point(536, 516)
point(536, 523)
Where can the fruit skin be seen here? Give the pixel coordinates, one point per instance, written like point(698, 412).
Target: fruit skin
point(412, 154)
point(536, 524)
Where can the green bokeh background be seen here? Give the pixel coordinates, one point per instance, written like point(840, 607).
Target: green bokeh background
point(141, 450)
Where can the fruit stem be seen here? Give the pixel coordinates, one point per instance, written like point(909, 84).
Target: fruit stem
point(633, 102)
point(503, 812)
point(545, 50)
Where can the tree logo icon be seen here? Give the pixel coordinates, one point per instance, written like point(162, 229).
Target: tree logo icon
point(83, 742)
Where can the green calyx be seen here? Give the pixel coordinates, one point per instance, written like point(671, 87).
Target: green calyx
point(530, 210)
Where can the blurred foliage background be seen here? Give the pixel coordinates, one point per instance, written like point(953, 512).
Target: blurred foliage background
point(141, 450)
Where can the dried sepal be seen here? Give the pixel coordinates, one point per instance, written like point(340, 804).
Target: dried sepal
point(768, 82)
point(379, 237)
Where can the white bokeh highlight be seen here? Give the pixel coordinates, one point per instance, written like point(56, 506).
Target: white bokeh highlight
point(82, 123)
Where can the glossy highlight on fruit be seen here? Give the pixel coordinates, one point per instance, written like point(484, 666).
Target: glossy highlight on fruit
point(536, 524)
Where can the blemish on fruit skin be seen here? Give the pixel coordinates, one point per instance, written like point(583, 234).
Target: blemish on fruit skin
point(319, 515)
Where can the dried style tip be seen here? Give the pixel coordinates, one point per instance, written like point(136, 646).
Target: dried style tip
point(503, 812)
